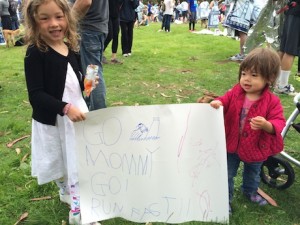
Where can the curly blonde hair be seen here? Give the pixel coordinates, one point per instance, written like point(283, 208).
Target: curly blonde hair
point(32, 34)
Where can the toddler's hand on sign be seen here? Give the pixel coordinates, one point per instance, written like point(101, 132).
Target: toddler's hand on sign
point(216, 104)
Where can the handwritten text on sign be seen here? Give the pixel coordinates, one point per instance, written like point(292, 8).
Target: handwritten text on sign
point(159, 163)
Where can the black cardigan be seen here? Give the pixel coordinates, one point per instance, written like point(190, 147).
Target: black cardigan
point(45, 74)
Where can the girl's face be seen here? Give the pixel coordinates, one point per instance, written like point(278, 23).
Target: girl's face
point(252, 82)
point(51, 22)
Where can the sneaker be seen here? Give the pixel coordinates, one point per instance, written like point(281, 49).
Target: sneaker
point(116, 61)
point(237, 57)
point(129, 54)
point(75, 218)
point(288, 90)
point(104, 60)
point(65, 198)
point(256, 198)
point(125, 55)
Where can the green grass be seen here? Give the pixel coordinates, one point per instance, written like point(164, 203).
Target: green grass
point(179, 65)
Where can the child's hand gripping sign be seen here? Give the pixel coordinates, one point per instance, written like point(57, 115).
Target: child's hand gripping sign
point(91, 79)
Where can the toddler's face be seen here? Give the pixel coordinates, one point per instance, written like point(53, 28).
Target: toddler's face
point(252, 82)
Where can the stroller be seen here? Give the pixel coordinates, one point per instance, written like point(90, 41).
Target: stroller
point(277, 171)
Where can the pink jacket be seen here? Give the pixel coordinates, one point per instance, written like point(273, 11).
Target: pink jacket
point(252, 145)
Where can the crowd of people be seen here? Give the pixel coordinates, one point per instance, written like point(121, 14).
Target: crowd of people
point(10, 14)
point(56, 60)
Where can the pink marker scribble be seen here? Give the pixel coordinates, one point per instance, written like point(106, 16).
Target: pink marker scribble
point(182, 140)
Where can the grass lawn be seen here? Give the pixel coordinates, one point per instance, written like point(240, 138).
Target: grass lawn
point(165, 68)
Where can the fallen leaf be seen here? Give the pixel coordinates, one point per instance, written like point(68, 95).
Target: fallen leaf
point(145, 84)
point(157, 85)
point(18, 151)
point(180, 96)
point(185, 71)
point(4, 112)
point(164, 95)
point(205, 99)
point(41, 198)
point(24, 157)
point(267, 197)
point(117, 103)
point(193, 58)
point(9, 145)
point(63, 222)
point(210, 93)
point(22, 217)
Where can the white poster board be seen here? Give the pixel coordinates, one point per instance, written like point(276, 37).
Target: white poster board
point(159, 163)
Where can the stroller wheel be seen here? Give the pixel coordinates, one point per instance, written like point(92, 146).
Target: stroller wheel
point(277, 173)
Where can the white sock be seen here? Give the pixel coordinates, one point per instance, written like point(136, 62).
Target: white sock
point(283, 78)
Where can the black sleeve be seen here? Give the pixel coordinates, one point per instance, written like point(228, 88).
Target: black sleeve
point(40, 96)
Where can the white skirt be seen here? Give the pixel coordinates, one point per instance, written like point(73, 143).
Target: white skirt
point(53, 147)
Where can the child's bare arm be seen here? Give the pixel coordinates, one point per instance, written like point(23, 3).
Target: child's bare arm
point(260, 122)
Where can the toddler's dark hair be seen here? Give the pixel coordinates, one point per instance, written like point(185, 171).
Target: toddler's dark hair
point(264, 61)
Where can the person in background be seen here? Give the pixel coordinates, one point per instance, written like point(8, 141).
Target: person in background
point(198, 10)
point(144, 21)
point(169, 7)
point(213, 17)
point(162, 11)
point(149, 12)
point(127, 20)
point(93, 18)
point(139, 11)
point(192, 14)
point(54, 83)
point(177, 10)
point(222, 7)
point(4, 15)
point(184, 10)
point(204, 13)
point(241, 17)
point(254, 120)
point(13, 11)
point(113, 31)
point(289, 47)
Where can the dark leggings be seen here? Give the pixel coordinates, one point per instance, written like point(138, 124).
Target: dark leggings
point(113, 34)
point(126, 36)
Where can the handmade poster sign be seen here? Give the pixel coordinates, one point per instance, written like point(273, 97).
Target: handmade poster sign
point(241, 14)
point(158, 163)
